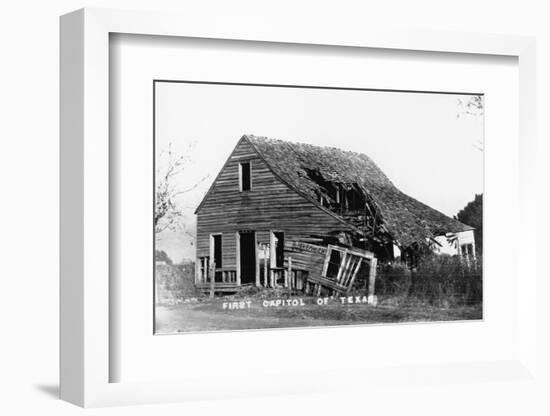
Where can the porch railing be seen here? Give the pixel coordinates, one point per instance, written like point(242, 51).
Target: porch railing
point(283, 277)
point(207, 271)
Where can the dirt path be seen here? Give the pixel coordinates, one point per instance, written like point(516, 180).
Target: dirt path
point(210, 316)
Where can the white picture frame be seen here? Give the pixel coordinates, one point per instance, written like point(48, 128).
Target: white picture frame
point(85, 264)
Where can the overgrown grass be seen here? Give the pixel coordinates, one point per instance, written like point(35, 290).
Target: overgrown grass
point(437, 280)
point(440, 288)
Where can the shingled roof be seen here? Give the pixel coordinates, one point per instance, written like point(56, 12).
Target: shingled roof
point(406, 219)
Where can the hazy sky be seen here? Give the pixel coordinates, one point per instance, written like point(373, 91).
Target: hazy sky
point(417, 139)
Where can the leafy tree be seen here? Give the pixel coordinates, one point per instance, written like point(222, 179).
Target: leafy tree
point(473, 106)
point(472, 215)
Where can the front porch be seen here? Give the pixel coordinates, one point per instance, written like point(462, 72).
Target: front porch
point(314, 270)
point(210, 278)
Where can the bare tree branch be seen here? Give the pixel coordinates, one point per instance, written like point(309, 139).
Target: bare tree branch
point(167, 212)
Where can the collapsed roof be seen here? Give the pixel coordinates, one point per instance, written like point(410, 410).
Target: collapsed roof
point(311, 170)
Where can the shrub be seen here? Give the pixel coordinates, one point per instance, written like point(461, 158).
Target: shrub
point(174, 283)
point(443, 280)
point(393, 280)
point(438, 279)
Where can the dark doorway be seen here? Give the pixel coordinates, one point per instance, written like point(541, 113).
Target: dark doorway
point(279, 241)
point(248, 257)
point(217, 242)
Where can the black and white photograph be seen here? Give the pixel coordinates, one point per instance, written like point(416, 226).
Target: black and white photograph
point(282, 206)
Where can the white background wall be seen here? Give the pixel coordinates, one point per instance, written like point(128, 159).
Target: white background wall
point(29, 172)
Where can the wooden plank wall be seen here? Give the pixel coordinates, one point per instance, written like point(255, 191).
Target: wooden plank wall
point(269, 205)
point(304, 259)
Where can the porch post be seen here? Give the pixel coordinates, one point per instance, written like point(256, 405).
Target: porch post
point(238, 259)
point(265, 265)
point(372, 281)
point(197, 270)
point(212, 275)
point(257, 248)
point(290, 272)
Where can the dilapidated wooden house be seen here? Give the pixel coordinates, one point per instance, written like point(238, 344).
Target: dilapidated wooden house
point(312, 218)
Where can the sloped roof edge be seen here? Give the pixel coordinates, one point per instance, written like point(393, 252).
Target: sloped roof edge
point(246, 138)
point(405, 218)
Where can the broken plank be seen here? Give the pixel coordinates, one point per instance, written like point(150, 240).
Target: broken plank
point(354, 274)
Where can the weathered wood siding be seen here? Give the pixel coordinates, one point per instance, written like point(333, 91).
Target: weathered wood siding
point(269, 205)
point(311, 260)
